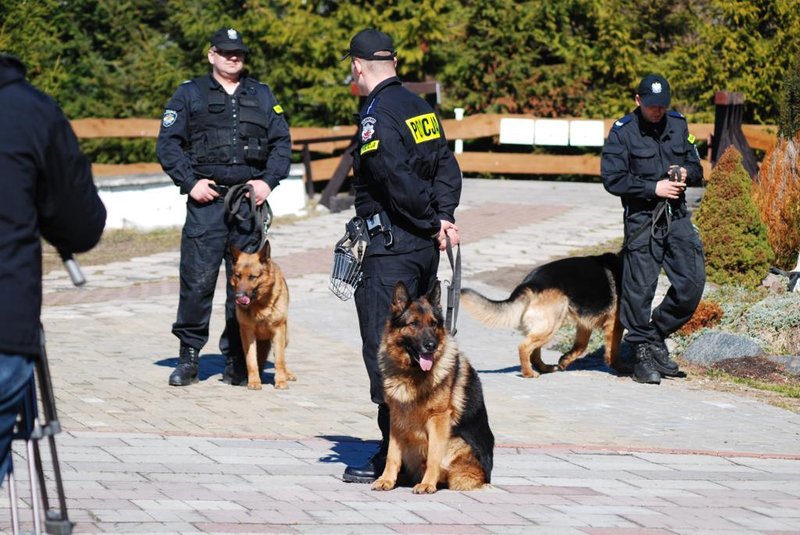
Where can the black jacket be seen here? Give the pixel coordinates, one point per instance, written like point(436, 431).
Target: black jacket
point(636, 156)
point(206, 133)
point(404, 168)
point(47, 191)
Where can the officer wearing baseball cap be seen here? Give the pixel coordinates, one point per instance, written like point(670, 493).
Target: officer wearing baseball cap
point(228, 39)
point(371, 44)
point(219, 130)
point(407, 187)
point(648, 161)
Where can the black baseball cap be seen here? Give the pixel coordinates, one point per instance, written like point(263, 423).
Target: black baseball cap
point(228, 39)
point(653, 90)
point(367, 43)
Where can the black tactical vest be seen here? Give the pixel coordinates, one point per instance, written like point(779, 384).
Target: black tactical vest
point(229, 129)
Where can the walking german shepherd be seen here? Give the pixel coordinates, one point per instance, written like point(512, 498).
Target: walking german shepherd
point(262, 306)
point(439, 429)
point(582, 288)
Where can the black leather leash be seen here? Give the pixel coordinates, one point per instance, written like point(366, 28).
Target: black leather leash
point(262, 215)
point(656, 232)
point(454, 288)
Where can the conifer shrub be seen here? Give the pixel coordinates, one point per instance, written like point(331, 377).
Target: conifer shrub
point(735, 238)
point(776, 190)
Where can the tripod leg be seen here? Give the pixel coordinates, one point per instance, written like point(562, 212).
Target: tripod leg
point(12, 496)
point(33, 461)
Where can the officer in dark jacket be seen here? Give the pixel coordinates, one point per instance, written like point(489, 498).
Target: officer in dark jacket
point(648, 160)
point(218, 131)
point(48, 192)
point(407, 188)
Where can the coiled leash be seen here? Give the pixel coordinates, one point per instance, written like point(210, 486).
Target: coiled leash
point(261, 215)
point(662, 209)
point(453, 288)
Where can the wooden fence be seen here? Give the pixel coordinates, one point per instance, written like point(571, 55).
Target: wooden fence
point(329, 140)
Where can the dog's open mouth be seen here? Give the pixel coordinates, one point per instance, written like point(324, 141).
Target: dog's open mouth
point(243, 300)
point(426, 361)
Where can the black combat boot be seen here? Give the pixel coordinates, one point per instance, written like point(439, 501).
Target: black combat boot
point(372, 470)
point(644, 371)
point(665, 365)
point(185, 372)
point(235, 372)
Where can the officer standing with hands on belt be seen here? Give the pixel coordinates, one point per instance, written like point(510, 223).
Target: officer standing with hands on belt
point(407, 188)
point(648, 161)
point(218, 131)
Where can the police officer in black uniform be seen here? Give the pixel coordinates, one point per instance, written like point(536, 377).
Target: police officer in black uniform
point(407, 188)
point(218, 130)
point(648, 161)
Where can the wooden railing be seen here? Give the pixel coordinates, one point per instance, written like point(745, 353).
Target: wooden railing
point(330, 140)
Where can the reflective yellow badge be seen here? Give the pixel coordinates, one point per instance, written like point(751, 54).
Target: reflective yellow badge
point(424, 127)
point(691, 138)
point(277, 108)
point(369, 147)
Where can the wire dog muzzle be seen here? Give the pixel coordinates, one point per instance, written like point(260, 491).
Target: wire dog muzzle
point(347, 257)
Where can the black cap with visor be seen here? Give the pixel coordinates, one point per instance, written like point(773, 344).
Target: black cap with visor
point(368, 44)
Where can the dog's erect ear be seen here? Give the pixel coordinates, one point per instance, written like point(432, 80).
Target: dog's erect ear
point(265, 253)
point(400, 299)
point(234, 252)
point(435, 293)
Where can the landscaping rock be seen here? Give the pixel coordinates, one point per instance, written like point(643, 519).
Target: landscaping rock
point(716, 346)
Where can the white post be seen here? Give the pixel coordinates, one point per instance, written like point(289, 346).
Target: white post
point(459, 142)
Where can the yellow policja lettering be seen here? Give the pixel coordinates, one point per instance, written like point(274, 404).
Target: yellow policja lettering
point(424, 127)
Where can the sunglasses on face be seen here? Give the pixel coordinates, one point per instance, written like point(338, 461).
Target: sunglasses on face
point(230, 53)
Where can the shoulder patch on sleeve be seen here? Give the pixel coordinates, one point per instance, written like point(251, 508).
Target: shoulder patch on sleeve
point(691, 138)
point(676, 114)
point(169, 118)
point(277, 109)
point(368, 128)
point(619, 123)
point(369, 147)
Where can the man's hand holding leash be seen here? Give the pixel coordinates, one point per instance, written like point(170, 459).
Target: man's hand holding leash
point(674, 185)
point(451, 230)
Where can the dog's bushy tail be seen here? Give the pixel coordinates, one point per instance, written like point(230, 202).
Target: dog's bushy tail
point(507, 313)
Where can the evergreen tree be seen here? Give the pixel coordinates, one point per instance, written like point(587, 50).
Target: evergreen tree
point(733, 234)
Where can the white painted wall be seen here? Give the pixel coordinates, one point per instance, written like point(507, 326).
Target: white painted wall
point(153, 201)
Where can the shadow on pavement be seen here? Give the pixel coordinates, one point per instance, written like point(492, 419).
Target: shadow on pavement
point(348, 450)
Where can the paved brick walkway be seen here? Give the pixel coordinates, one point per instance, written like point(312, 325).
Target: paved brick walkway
point(579, 452)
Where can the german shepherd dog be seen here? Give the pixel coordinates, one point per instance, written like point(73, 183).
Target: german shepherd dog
point(262, 306)
point(439, 429)
point(582, 288)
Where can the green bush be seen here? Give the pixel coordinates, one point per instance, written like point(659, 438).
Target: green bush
point(734, 236)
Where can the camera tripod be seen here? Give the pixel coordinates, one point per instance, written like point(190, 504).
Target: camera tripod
point(33, 427)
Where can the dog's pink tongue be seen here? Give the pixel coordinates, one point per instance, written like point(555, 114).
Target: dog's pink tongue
point(426, 362)
point(243, 300)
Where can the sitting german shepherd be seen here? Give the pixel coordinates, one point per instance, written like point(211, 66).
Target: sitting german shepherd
point(439, 428)
point(582, 288)
point(262, 306)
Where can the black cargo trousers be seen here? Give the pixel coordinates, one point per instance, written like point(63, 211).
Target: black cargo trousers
point(373, 298)
point(680, 253)
point(207, 234)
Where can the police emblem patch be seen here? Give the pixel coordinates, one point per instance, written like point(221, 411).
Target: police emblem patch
point(367, 129)
point(232, 35)
point(656, 87)
point(170, 116)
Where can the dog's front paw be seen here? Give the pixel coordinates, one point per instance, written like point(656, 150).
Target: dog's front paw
point(281, 385)
point(253, 385)
point(383, 484)
point(424, 488)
